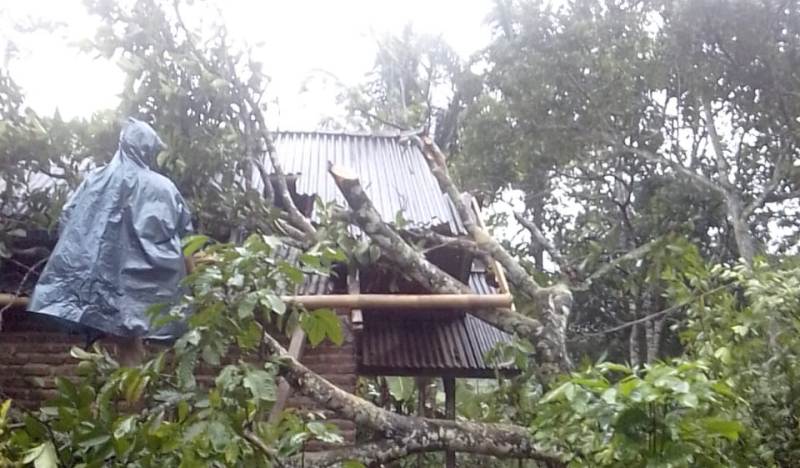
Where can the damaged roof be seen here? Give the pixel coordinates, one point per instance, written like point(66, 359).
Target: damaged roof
point(432, 344)
point(392, 170)
point(396, 177)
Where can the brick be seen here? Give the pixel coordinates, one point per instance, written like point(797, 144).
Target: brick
point(43, 358)
point(35, 369)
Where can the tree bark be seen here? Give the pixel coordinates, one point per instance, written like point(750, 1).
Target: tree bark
point(553, 304)
point(409, 433)
point(413, 263)
point(633, 346)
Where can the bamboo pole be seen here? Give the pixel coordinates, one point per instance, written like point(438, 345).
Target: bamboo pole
point(13, 301)
point(370, 301)
point(403, 301)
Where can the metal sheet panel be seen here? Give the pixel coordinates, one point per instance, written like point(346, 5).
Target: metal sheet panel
point(393, 172)
point(413, 346)
point(394, 343)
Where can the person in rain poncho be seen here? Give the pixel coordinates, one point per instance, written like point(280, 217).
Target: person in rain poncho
point(119, 248)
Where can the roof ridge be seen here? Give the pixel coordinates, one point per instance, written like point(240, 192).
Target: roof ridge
point(355, 134)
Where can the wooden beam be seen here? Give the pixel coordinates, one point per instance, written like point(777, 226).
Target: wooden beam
point(450, 413)
point(371, 301)
point(296, 346)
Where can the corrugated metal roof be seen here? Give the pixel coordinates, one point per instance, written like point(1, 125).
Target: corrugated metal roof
point(393, 172)
point(413, 346)
point(403, 344)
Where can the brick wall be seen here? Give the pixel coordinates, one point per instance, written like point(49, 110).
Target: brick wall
point(33, 354)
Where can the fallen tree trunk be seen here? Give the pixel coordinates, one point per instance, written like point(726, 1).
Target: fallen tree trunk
point(408, 434)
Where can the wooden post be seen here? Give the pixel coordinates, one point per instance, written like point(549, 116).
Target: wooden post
point(296, 346)
point(450, 413)
point(354, 288)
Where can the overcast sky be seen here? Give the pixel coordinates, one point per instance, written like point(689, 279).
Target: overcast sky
point(301, 38)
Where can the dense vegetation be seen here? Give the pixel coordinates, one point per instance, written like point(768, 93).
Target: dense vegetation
point(649, 148)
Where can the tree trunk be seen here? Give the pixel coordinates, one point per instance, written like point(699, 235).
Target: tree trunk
point(745, 242)
point(653, 329)
point(633, 346)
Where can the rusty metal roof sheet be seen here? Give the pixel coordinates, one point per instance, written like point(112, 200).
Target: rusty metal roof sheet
point(413, 346)
point(422, 344)
point(393, 172)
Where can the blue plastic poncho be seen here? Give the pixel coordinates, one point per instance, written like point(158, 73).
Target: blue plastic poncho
point(119, 247)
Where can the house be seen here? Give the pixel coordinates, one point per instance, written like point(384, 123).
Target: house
point(427, 344)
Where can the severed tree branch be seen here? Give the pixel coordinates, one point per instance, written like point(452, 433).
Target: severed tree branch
point(553, 304)
point(433, 239)
point(516, 273)
point(413, 263)
point(410, 433)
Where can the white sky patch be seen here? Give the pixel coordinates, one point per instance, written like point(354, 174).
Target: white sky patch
point(304, 41)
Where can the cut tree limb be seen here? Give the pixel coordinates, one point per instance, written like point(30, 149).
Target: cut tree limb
point(414, 433)
point(553, 304)
point(413, 263)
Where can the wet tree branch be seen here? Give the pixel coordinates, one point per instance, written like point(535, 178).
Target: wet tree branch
point(409, 433)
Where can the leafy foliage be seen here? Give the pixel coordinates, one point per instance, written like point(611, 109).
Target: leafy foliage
point(663, 415)
point(161, 413)
point(746, 327)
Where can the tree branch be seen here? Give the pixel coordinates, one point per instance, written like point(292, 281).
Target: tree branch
point(413, 263)
point(553, 304)
point(700, 181)
point(539, 237)
point(723, 168)
point(433, 239)
point(635, 254)
point(769, 189)
point(416, 433)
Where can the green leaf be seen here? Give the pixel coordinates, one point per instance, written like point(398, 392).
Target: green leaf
point(124, 427)
point(247, 305)
point(273, 303)
point(610, 366)
point(193, 243)
point(558, 392)
point(610, 396)
point(688, 400)
point(183, 410)
point(353, 464)
point(723, 427)
point(673, 383)
point(42, 456)
point(80, 354)
point(628, 384)
point(261, 384)
point(251, 335)
point(321, 323)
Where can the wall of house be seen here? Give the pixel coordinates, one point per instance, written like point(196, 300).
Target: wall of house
point(33, 354)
